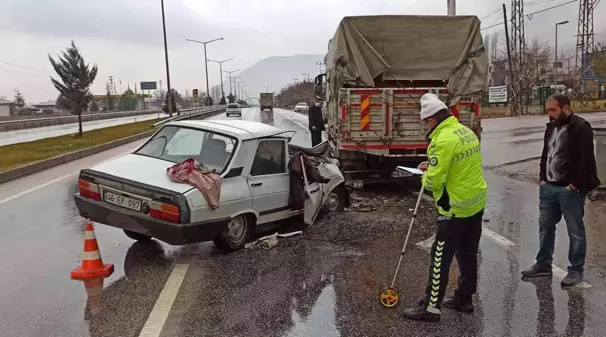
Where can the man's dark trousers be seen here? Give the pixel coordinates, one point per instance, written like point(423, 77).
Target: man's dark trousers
point(316, 137)
point(458, 237)
point(555, 201)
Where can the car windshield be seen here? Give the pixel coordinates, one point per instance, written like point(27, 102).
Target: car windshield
point(302, 104)
point(233, 106)
point(176, 144)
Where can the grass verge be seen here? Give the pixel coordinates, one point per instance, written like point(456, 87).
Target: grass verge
point(16, 155)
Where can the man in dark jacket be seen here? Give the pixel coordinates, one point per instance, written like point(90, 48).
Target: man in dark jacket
point(567, 174)
point(316, 123)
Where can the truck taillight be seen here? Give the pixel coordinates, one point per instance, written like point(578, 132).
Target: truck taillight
point(89, 190)
point(165, 212)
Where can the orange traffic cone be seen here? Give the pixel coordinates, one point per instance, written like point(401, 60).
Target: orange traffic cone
point(92, 265)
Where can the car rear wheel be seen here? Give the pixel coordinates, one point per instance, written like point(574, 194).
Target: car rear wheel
point(137, 236)
point(236, 234)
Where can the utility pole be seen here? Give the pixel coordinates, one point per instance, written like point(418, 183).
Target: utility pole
point(519, 55)
point(221, 72)
point(205, 60)
point(585, 45)
point(555, 64)
point(170, 97)
point(513, 93)
point(452, 7)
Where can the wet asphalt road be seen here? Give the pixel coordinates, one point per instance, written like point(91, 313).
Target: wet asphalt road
point(28, 135)
point(323, 283)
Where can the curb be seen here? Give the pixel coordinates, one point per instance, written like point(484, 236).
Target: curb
point(64, 158)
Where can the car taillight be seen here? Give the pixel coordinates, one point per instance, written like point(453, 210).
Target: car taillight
point(163, 211)
point(89, 190)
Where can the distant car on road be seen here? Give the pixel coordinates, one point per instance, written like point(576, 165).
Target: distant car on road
point(233, 109)
point(134, 192)
point(302, 107)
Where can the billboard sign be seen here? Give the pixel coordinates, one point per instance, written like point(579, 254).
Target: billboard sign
point(195, 97)
point(148, 86)
point(497, 94)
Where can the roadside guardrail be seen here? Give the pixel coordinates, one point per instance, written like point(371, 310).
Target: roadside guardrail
point(50, 121)
point(192, 113)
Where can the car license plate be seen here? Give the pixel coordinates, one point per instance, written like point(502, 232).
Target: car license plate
point(400, 174)
point(122, 201)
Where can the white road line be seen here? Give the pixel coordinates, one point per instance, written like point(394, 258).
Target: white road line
point(503, 241)
point(294, 120)
point(48, 183)
point(558, 272)
point(157, 317)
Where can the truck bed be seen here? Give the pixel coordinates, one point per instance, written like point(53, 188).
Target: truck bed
point(386, 121)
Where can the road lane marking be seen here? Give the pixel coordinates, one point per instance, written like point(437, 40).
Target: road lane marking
point(48, 183)
point(294, 120)
point(157, 317)
point(558, 272)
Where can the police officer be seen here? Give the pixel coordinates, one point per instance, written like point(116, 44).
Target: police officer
point(454, 176)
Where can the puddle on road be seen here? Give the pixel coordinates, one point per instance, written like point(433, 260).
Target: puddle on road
point(320, 321)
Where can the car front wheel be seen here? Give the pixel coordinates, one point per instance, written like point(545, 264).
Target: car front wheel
point(236, 234)
point(137, 236)
point(337, 200)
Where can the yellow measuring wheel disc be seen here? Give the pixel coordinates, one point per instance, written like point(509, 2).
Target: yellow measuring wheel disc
point(389, 296)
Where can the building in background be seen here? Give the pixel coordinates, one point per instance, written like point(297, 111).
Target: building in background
point(7, 108)
point(49, 107)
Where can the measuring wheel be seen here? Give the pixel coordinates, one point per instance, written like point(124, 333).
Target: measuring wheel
point(389, 296)
point(593, 195)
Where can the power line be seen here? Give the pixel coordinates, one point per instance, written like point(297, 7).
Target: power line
point(25, 67)
point(533, 13)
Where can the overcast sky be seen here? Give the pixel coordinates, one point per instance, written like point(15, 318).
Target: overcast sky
point(124, 38)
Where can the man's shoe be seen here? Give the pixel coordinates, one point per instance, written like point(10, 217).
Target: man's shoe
point(421, 314)
point(536, 271)
point(572, 279)
point(458, 303)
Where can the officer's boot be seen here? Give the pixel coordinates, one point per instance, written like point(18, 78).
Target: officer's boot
point(459, 302)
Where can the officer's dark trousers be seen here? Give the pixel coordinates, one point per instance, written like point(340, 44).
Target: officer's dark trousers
point(458, 237)
point(316, 137)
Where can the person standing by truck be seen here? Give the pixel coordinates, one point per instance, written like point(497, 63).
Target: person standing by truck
point(455, 178)
point(316, 123)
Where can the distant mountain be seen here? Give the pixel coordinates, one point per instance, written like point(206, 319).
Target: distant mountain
point(274, 73)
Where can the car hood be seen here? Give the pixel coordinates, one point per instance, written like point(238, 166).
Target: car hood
point(142, 169)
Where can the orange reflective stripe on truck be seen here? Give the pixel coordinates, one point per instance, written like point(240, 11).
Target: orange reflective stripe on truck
point(365, 113)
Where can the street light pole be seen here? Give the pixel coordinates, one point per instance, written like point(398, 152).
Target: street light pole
point(234, 79)
point(221, 72)
point(170, 97)
point(229, 74)
point(205, 61)
point(452, 7)
point(555, 64)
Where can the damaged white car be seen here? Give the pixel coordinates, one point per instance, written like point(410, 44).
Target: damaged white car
point(259, 185)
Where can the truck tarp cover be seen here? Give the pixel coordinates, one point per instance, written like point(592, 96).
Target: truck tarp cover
point(406, 47)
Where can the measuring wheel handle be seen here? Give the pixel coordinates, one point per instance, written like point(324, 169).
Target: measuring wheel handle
point(389, 296)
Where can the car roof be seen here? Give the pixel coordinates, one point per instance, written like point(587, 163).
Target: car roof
point(243, 130)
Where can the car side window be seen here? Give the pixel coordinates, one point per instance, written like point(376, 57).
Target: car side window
point(270, 158)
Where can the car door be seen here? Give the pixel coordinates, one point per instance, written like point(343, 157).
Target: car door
point(269, 181)
point(314, 196)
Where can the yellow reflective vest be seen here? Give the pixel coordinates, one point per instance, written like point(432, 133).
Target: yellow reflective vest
point(454, 171)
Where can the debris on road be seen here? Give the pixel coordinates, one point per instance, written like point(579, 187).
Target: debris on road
point(270, 241)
